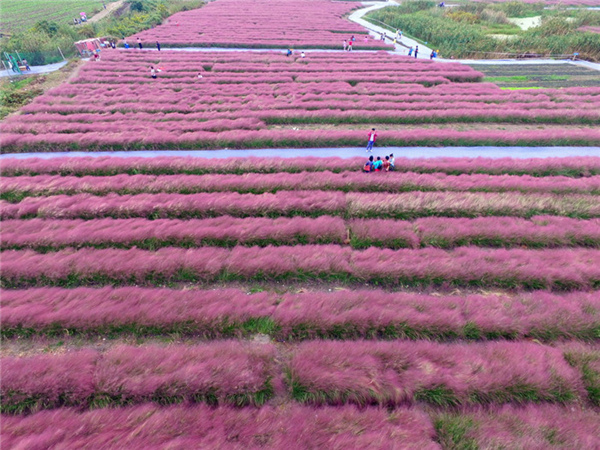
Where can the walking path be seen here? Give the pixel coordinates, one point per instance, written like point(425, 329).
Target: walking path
point(35, 69)
point(106, 12)
point(406, 152)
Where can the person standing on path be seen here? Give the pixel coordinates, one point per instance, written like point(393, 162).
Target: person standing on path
point(410, 50)
point(345, 44)
point(139, 42)
point(372, 139)
point(158, 45)
point(416, 51)
point(350, 46)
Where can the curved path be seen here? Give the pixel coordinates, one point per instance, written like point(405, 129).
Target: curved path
point(424, 51)
point(406, 152)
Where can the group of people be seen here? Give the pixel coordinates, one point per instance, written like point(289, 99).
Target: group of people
point(387, 164)
point(290, 52)
point(347, 44)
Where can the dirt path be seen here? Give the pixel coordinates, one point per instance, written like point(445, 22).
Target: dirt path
point(106, 12)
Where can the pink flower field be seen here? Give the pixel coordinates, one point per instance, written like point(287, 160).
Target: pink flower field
point(430, 297)
point(296, 303)
point(254, 100)
point(266, 24)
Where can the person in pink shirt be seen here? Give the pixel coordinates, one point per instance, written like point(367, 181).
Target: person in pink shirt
point(372, 139)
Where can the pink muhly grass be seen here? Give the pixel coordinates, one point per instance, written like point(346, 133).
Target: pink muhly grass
point(259, 183)
point(47, 381)
point(395, 373)
point(220, 372)
point(535, 427)
point(407, 205)
point(466, 266)
point(224, 230)
point(291, 426)
point(344, 314)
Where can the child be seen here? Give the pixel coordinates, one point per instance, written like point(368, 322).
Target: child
point(153, 72)
point(392, 162)
point(386, 164)
point(378, 165)
point(368, 167)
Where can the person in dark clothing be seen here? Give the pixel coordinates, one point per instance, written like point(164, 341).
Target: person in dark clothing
point(139, 43)
point(416, 51)
point(158, 45)
point(368, 167)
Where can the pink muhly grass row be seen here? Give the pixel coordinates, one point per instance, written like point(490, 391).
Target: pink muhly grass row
point(220, 372)
point(260, 23)
point(532, 427)
point(407, 205)
point(332, 315)
point(540, 231)
point(558, 269)
point(587, 359)
point(219, 231)
point(442, 232)
point(581, 166)
point(259, 183)
point(292, 427)
point(396, 373)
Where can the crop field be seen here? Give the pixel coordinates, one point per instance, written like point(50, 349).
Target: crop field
point(265, 24)
point(283, 300)
point(257, 100)
point(16, 14)
point(536, 76)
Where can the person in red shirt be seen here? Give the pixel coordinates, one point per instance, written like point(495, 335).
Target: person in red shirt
point(372, 139)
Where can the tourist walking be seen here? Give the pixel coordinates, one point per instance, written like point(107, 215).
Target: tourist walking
point(372, 139)
point(410, 51)
point(158, 45)
point(139, 43)
point(345, 44)
point(416, 51)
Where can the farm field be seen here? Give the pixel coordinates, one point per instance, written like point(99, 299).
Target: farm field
point(256, 100)
point(539, 76)
point(265, 292)
point(15, 14)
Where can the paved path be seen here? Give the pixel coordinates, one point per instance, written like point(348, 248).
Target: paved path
point(407, 152)
point(36, 69)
